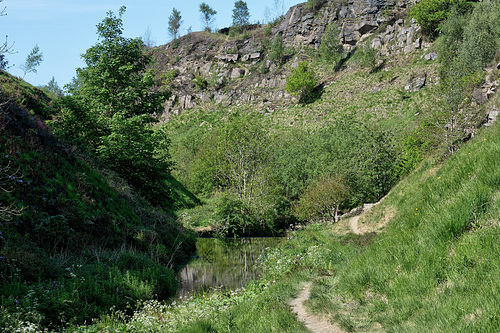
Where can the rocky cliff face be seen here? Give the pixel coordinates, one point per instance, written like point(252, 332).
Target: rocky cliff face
point(203, 68)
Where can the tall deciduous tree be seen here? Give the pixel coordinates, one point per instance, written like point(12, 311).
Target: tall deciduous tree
point(241, 14)
point(174, 23)
point(242, 155)
point(207, 16)
point(109, 111)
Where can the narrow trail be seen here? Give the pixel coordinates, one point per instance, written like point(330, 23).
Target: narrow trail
point(318, 324)
point(315, 324)
point(353, 224)
point(353, 221)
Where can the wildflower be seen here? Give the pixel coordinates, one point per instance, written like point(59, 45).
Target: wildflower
point(439, 177)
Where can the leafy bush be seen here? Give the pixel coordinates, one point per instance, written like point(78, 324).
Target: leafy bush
point(315, 4)
point(369, 58)
point(330, 48)
point(302, 83)
point(233, 217)
point(276, 53)
point(430, 13)
point(322, 199)
point(200, 82)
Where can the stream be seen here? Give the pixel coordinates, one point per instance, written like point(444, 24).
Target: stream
point(228, 263)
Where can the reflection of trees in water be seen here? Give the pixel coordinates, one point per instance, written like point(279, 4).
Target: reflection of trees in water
point(224, 262)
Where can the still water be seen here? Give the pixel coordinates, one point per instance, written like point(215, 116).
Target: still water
point(228, 263)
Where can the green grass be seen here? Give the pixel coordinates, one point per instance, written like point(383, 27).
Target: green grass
point(85, 241)
point(434, 268)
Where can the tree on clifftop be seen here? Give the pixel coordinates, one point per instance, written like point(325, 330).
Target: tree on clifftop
point(174, 23)
point(207, 16)
point(241, 15)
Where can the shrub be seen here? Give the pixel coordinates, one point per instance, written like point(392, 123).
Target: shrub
point(315, 4)
point(277, 50)
point(233, 217)
point(430, 13)
point(200, 82)
point(322, 199)
point(302, 83)
point(330, 47)
point(369, 58)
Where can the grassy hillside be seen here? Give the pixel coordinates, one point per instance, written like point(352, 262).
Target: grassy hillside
point(433, 268)
point(75, 238)
point(361, 128)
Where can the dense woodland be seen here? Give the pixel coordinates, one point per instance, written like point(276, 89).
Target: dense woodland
point(101, 202)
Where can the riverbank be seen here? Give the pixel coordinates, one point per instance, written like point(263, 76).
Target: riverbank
point(434, 267)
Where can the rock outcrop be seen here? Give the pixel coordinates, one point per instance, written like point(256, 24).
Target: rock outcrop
point(202, 67)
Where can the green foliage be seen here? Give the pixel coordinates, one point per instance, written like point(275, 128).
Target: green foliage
point(430, 13)
point(481, 38)
point(109, 112)
point(367, 159)
point(268, 31)
point(174, 23)
point(53, 88)
point(451, 116)
point(451, 241)
point(276, 54)
point(84, 241)
point(467, 44)
point(414, 147)
point(200, 82)
point(9, 178)
point(322, 199)
point(368, 58)
point(33, 60)
point(168, 77)
point(85, 290)
point(241, 14)
point(315, 4)
point(302, 83)
point(233, 218)
point(207, 16)
point(330, 48)
point(241, 155)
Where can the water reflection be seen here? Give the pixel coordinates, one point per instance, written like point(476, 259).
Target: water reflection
point(230, 263)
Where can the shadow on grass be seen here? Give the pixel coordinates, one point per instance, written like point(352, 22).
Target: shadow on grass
point(343, 61)
point(181, 196)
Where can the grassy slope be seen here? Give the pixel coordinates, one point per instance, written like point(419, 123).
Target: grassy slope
point(433, 269)
point(378, 100)
point(82, 228)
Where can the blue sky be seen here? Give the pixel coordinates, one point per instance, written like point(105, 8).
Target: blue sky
point(64, 29)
